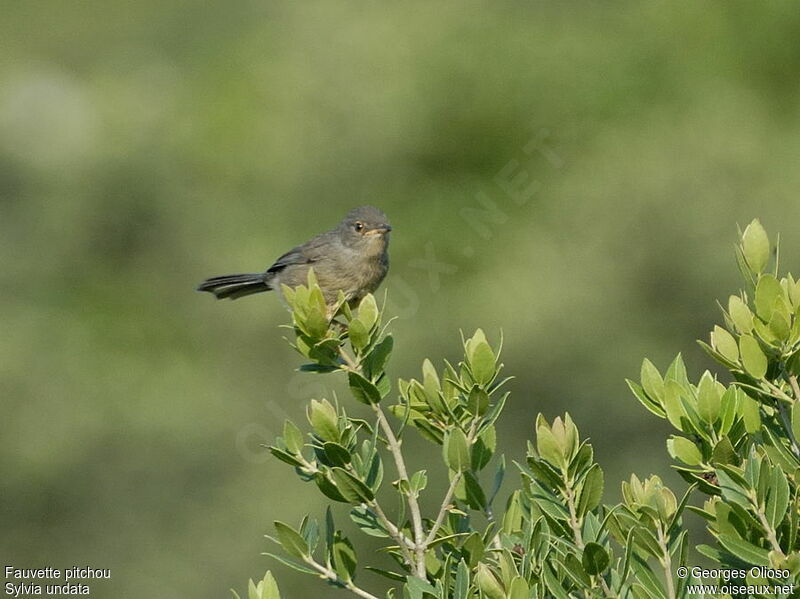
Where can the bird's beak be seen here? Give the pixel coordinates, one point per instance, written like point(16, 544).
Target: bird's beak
point(380, 230)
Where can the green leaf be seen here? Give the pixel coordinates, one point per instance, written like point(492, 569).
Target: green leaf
point(725, 344)
point(363, 390)
point(724, 453)
point(456, 450)
point(330, 527)
point(518, 589)
point(779, 325)
point(418, 482)
point(367, 522)
point(768, 291)
point(676, 517)
point(583, 459)
point(473, 549)
point(753, 359)
point(740, 314)
point(269, 589)
point(351, 488)
point(375, 362)
point(708, 398)
point(592, 490)
point(547, 502)
point(496, 410)
point(513, 517)
point(285, 456)
point(324, 420)
point(755, 246)
point(368, 311)
point(461, 587)
point(571, 441)
point(266, 588)
point(328, 488)
point(652, 382)
point(733, 487)
point(677, 372)
point(553, 584)
point(673, 405)
point(546, 443)
point(387, 573)
point(764, 333)
point(430, 378)
point(476, 498)
point(336, 454)
point(796, 420)
point(484, 447)
point(747, 552)
point(751, 413)
point(481, 358)
point(649, 586)
point(595, 559)
point(291, 540)
point(417, 588)
point(326, 355)
point(729, 405)
point(358, 333)
point(648, 542)
point(544, 473)
point(316, 320)
point(291, 563)
point(317, 368)
point(487, 582)
point(713, 553)
point(574, 570)
point(684, 450)
point(777, 502)
point(292, 437)
point(477, 401)
point(383, 385)
point(643, 398)
point(343, 556)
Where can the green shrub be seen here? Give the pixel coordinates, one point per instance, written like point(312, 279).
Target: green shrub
point(735, 445)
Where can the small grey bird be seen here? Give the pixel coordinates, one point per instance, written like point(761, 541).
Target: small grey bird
point(353, 257)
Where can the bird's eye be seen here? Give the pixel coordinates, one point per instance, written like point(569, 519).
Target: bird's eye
point(359, 226)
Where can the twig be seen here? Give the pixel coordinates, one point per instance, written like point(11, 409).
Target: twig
point(795, 387)
point(448, 497)
point(787, 425)
point(666, 563)
point(569, 496)
point(413, 504)
point(393, 444)
point(770, 532)
point(575, 524)
point(406, 545)
point(778, 392)
point(399, 537)
point(331, 576)
point(351, 363)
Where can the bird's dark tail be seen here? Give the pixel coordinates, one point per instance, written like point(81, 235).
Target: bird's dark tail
point(235, 286)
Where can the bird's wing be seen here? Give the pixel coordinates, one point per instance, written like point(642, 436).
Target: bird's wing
point(308, 253)
point(293, 256)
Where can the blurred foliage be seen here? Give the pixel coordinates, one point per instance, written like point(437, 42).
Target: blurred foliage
point(146, 146)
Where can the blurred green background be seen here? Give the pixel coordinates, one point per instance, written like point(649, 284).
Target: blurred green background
point(572, 175)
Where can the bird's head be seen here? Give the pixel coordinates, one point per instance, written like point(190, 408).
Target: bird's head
point(365, 228)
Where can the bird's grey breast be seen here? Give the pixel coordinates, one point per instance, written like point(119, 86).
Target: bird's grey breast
point(359, 273)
